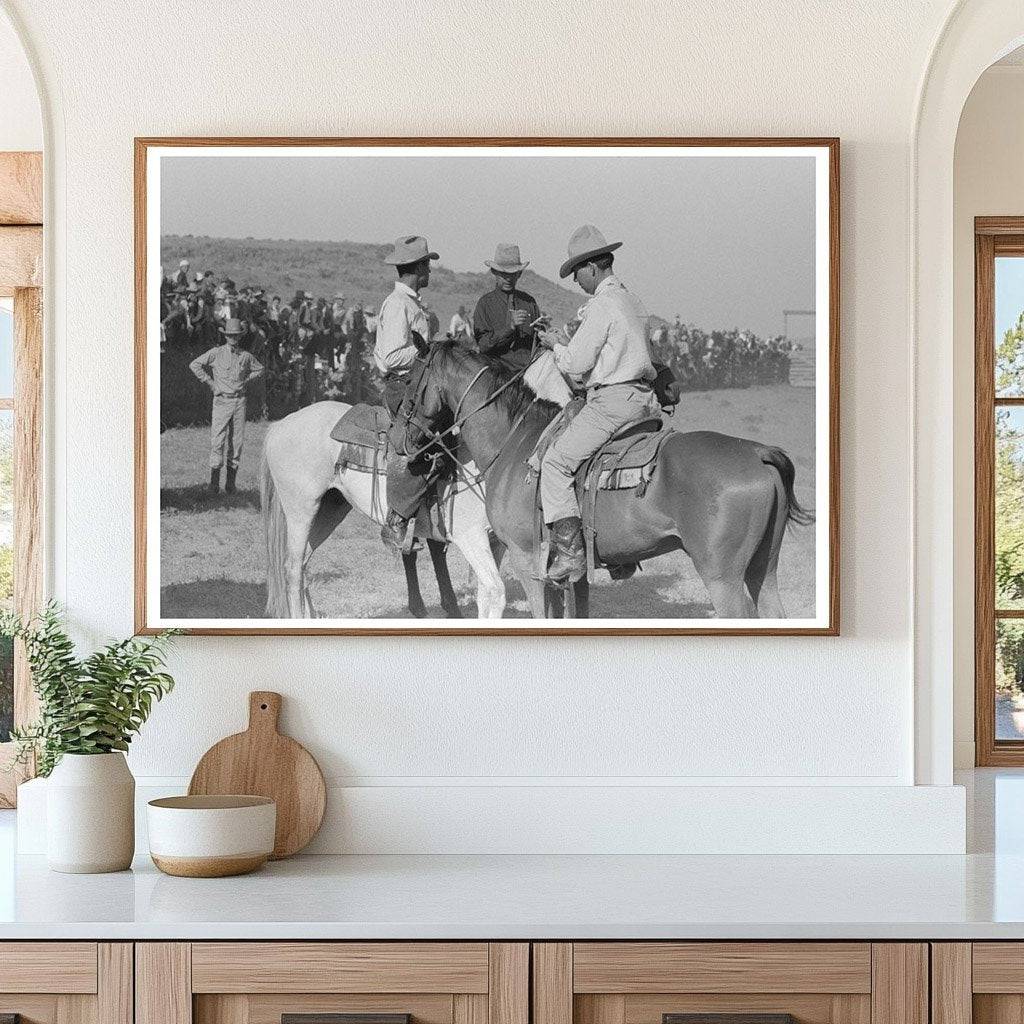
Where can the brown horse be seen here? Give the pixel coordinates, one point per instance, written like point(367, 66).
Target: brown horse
point(723, 500)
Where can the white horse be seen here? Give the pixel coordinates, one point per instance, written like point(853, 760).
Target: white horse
point(304, 497)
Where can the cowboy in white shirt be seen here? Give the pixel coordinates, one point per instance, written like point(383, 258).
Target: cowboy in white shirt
point(609, 356)
point(403, 329)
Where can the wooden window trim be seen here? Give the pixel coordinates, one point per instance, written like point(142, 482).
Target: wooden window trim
point(993, 236)
point(21, 268)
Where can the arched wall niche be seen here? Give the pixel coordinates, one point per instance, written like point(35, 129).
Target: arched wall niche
point(975, 34)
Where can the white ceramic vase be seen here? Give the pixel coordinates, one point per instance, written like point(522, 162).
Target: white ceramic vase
point(90, 814)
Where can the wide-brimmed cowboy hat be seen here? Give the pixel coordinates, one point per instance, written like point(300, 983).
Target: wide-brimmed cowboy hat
point(507, 259)
point(586, 243)
point(232, 326)
point(410, 249)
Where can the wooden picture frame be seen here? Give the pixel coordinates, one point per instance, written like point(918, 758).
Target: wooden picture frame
point(824, 622)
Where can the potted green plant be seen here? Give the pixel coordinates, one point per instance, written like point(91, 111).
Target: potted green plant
point(89, 710)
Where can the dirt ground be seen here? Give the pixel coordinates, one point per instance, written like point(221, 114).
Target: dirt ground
point(212, 561)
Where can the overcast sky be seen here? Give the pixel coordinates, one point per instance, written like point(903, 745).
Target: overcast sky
point(723, 241)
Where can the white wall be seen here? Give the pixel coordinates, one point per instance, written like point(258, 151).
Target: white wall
point(21, 125)
point(397, 713)
point(988, 181)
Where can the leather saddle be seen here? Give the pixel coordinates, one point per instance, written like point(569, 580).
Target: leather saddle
point(624, 462)
point(621, 460)
point(363, 433)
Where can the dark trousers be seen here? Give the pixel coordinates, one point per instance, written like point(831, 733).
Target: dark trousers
point(409, 483)
point(394, 392)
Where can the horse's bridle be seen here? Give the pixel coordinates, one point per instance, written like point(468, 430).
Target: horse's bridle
point(459, 420)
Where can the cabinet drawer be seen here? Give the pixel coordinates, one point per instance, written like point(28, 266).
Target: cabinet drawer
point(634, 967)
point(48, 967)
point(66, 982)
point(340, 967)
point(735, 982)
point(262, 982)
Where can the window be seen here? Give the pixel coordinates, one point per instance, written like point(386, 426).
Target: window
point(6, 510)
point(21, 377)
point(999, 490)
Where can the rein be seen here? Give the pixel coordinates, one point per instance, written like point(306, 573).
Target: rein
point(460, 420)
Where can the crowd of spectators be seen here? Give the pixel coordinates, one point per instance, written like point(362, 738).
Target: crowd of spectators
point(705, 360)
point(315, 347)
point(311, 347)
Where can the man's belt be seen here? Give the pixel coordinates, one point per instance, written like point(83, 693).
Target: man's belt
point(637, 382)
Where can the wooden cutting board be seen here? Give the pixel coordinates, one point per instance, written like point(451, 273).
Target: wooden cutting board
point(262, 762)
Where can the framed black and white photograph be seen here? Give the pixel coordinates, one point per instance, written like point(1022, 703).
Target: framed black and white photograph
point(487, 386)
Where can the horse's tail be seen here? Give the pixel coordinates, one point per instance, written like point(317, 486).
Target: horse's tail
point(796, 514)
point(275, 536)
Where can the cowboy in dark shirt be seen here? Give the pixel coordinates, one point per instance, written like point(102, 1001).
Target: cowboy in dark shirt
point(502, 318)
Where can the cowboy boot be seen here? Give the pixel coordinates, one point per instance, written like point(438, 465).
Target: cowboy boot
point(229, 483)
point(214, 481)
point(570, 562)
point(394, 531)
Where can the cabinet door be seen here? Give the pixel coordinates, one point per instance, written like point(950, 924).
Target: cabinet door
point(332, 983)
point(66, 982)
point(734, 982)
point(981, 982)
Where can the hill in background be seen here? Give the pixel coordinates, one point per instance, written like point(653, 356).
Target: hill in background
point(282, 266)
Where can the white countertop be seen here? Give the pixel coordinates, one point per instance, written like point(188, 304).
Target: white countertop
point(532, 897)
point(978, 896)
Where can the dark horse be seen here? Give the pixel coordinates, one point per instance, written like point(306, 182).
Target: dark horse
point(724, 500)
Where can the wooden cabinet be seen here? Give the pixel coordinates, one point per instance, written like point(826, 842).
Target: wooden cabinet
point(979, 982)
point(647, 982)
point(494, 983)
point(260, 982)
point(66, 982)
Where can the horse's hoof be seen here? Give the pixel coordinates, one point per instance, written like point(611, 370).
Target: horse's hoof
point(418, 611)
point(453, 613)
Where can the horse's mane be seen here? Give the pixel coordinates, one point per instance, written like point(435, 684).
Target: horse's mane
point(513, 397)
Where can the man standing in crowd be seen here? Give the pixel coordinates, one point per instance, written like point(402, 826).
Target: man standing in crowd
point(181, 277)
point(226, 370)
point(610, 357)
point(675, 333)
point(460, 328)
point(274, 332)
point(403, 327)
point(502, 318)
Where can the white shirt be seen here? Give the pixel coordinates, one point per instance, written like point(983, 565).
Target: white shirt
point(460, 326)
point(401, 316)
point(610, 344)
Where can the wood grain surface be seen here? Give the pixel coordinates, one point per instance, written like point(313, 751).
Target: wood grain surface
point(21, 258)
point(899, 983)
point(163, 983)
point(552, 983)
point(951, 983)
point(21, 188)
point(69, 967)
point(262, 762)
point(722, 967)
point(308, 967)
point(115, 989)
